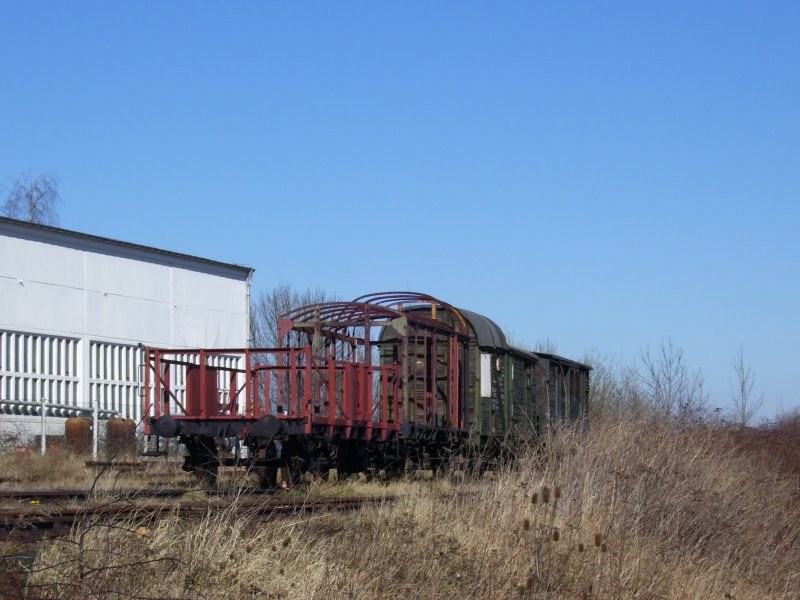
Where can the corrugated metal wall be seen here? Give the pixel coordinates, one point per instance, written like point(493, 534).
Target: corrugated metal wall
point(35, 367)
point(114, 378)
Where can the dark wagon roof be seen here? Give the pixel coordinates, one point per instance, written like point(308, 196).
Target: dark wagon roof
point(564, 361)
point(487, 331)
point(531, 356)
point(490, 335)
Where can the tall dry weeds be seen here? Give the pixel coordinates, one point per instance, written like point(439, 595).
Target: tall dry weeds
point(627, 510)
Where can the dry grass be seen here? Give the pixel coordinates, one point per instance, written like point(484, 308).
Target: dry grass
point(65, 470)
point(56, 470)
point(630, 510)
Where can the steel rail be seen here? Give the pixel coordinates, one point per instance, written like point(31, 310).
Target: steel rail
point(85, 494)
point(42, 522)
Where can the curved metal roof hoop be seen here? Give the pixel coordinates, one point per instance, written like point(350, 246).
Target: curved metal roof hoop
point(401, 299)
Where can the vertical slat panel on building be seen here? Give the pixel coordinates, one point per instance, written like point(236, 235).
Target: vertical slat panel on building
point(31, 368)
point(114, 377)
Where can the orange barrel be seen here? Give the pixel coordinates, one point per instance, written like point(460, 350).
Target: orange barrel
point(120, 437)
point(78, 431)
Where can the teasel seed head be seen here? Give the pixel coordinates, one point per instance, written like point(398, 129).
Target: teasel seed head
point(545, 494)
point(534, 498)
point(598, 539)
point(557, 492)
point(526, 523)
point(603, 547)
point(581, 547)
point(556, 535)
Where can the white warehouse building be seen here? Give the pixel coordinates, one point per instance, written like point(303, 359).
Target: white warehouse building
point(76, 308)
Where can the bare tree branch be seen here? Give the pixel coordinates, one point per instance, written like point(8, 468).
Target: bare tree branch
point(34, 199)
point(744, 406)
point(615, 388)
point(546, 345)
point(672, 388)
point(271, 304)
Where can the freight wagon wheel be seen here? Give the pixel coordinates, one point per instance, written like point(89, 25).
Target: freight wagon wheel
point(294, 459)
point(320, 460)
point(267, 475)
point(435, 458)
point(394, 459)
point(330, 456)
point(351, 458)
point(414, 460)
point(203, 458)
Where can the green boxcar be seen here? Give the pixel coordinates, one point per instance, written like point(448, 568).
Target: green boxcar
point(519, 394)
point(506, 392)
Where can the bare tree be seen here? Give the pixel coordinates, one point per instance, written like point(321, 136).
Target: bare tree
point(672, 388)
point(744, 406)
point(615, 389)
point(34, 199)
point(603, 384)
point(271, 304)
point(546, 345)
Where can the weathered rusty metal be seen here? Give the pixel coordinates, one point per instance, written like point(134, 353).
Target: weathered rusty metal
point(386, 378)
point(120, 437)
point(78, 432)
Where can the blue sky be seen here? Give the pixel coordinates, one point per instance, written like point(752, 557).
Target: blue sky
point(604, 174)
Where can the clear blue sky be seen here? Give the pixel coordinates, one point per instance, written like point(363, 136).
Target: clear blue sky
point(604, 174)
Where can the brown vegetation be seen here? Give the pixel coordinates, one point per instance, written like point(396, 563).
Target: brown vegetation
point(62, 469)
point(776, 444)
point(628, 510)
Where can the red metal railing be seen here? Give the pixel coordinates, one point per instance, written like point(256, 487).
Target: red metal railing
point(288, 383)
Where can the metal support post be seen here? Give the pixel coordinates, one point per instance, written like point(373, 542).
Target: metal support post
point(95, 427)
point(43, 442)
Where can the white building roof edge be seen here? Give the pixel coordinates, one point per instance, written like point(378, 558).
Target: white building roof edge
point(96, 243)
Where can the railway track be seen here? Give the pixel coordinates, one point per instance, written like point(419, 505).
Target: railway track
point(67, 494)
point(37, 524)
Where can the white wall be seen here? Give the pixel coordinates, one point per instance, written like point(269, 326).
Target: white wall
point(103, 299)
point(54, 289)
